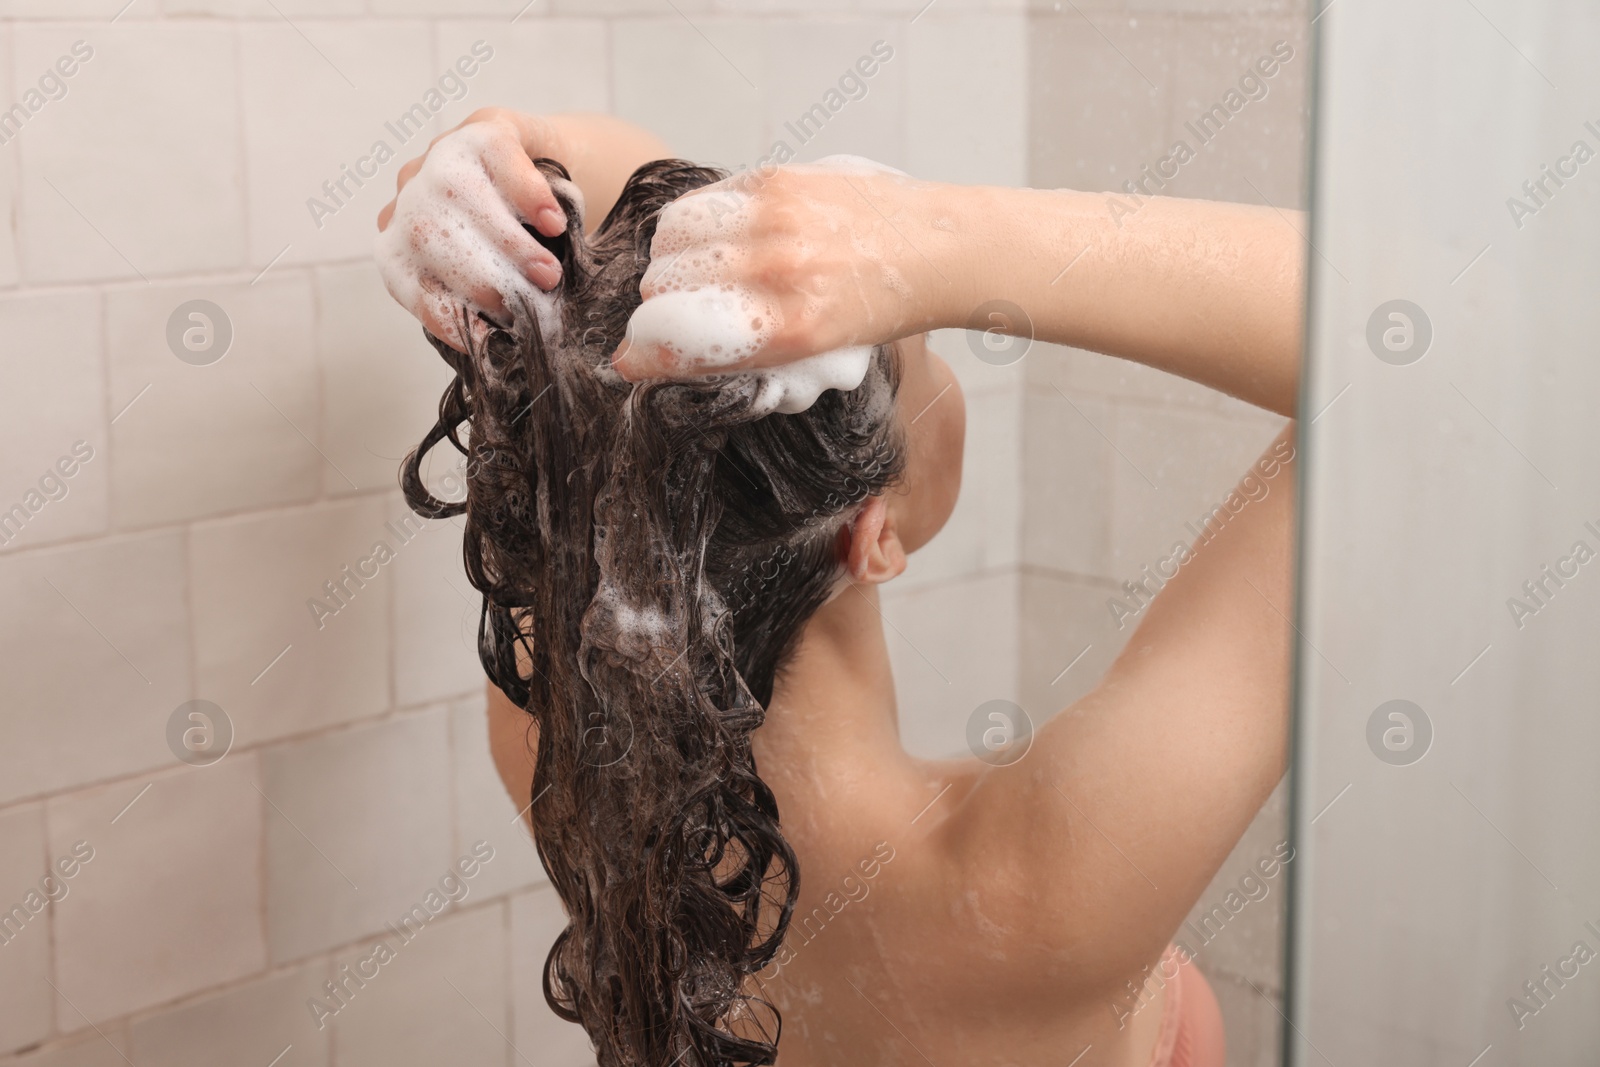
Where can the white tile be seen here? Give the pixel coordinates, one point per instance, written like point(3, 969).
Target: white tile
point(256, 584)
point(250, 1023)
point(967, 103)
point(54, 403)
point(1098, 105)
point(1174, 467)
point(381, 380)
point(539, 65)
point(1248, 941)
point(485, 811)
point(618, 7)
point(698, 93)
point(358, 830)
point(960, 349)
point(1069, 638)
point(441, 998)
point(262, 9)
point(1067, 482)
point(1079, 371)
point(811, 70)
point(9, 270)
point(318, 95)
point(25, 915)
point(170, 902)
point(953, 646)
point(205, 440)
point(536, 921)
point(1209, 7)
point(142, 151)
point(89, 1050)
point(1253, 1023)
point(1260, 152)
point(435, 612)
point(781, 7)
point(501, 10)
point(95, 665)
point(985, 529)
point(76, 9)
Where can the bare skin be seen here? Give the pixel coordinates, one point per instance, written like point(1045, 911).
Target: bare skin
point(1017, 901)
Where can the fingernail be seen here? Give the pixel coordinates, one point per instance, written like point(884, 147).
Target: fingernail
point(546, 273)
point(619, 360)
point(550, 221)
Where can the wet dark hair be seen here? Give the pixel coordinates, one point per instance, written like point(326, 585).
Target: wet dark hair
point(647, 556)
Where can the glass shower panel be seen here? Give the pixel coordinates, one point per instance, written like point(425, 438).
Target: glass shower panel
point(1446, 903)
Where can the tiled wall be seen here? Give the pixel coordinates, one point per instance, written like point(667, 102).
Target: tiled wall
point(220, 498)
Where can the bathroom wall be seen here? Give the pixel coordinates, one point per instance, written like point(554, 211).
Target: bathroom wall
point(209, 502)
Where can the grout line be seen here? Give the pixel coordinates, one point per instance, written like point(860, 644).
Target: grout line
point(312, 734)
point(268, 972)
point(181, 279)
point(50, 925)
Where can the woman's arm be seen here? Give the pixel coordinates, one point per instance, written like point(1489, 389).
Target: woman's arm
point(1209, 291)
point(1093, 847)
point(514, 746)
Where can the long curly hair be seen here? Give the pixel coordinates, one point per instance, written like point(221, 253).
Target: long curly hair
point(647, 556)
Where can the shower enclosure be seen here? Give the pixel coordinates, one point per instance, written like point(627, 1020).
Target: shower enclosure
point(1446, 895)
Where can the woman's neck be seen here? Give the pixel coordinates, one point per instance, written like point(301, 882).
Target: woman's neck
point(835, 696)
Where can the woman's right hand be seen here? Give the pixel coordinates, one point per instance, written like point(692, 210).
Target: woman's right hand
point(454, 234)
point(771, 266)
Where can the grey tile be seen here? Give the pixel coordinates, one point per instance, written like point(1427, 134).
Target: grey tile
point(358, 830)
point(249, 1023)
point(273, 646)
point(484, 811)
point(52, 419)
point(536, 921)
point(192, 441)
point(95, 627)
point(953, 646)
point(134, 173)
point(26, 1003)
point(444, 997)
point(169, 901)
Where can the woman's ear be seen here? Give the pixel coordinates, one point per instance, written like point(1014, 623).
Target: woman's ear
point(874, 554)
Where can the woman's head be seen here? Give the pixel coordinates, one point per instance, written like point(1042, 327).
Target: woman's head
point(932, 414)
point(648, 556)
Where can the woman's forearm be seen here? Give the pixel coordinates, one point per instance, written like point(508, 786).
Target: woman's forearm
point(1209, 291)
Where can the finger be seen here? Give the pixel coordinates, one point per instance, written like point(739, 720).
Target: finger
point(534, 260)
point(488, 231)
point(525, 188)
point(453, 288)
point(637, 363)
point(442, 325)
point(408, 171)
point(444, 316)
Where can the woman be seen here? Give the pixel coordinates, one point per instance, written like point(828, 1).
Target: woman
point(990, 915)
